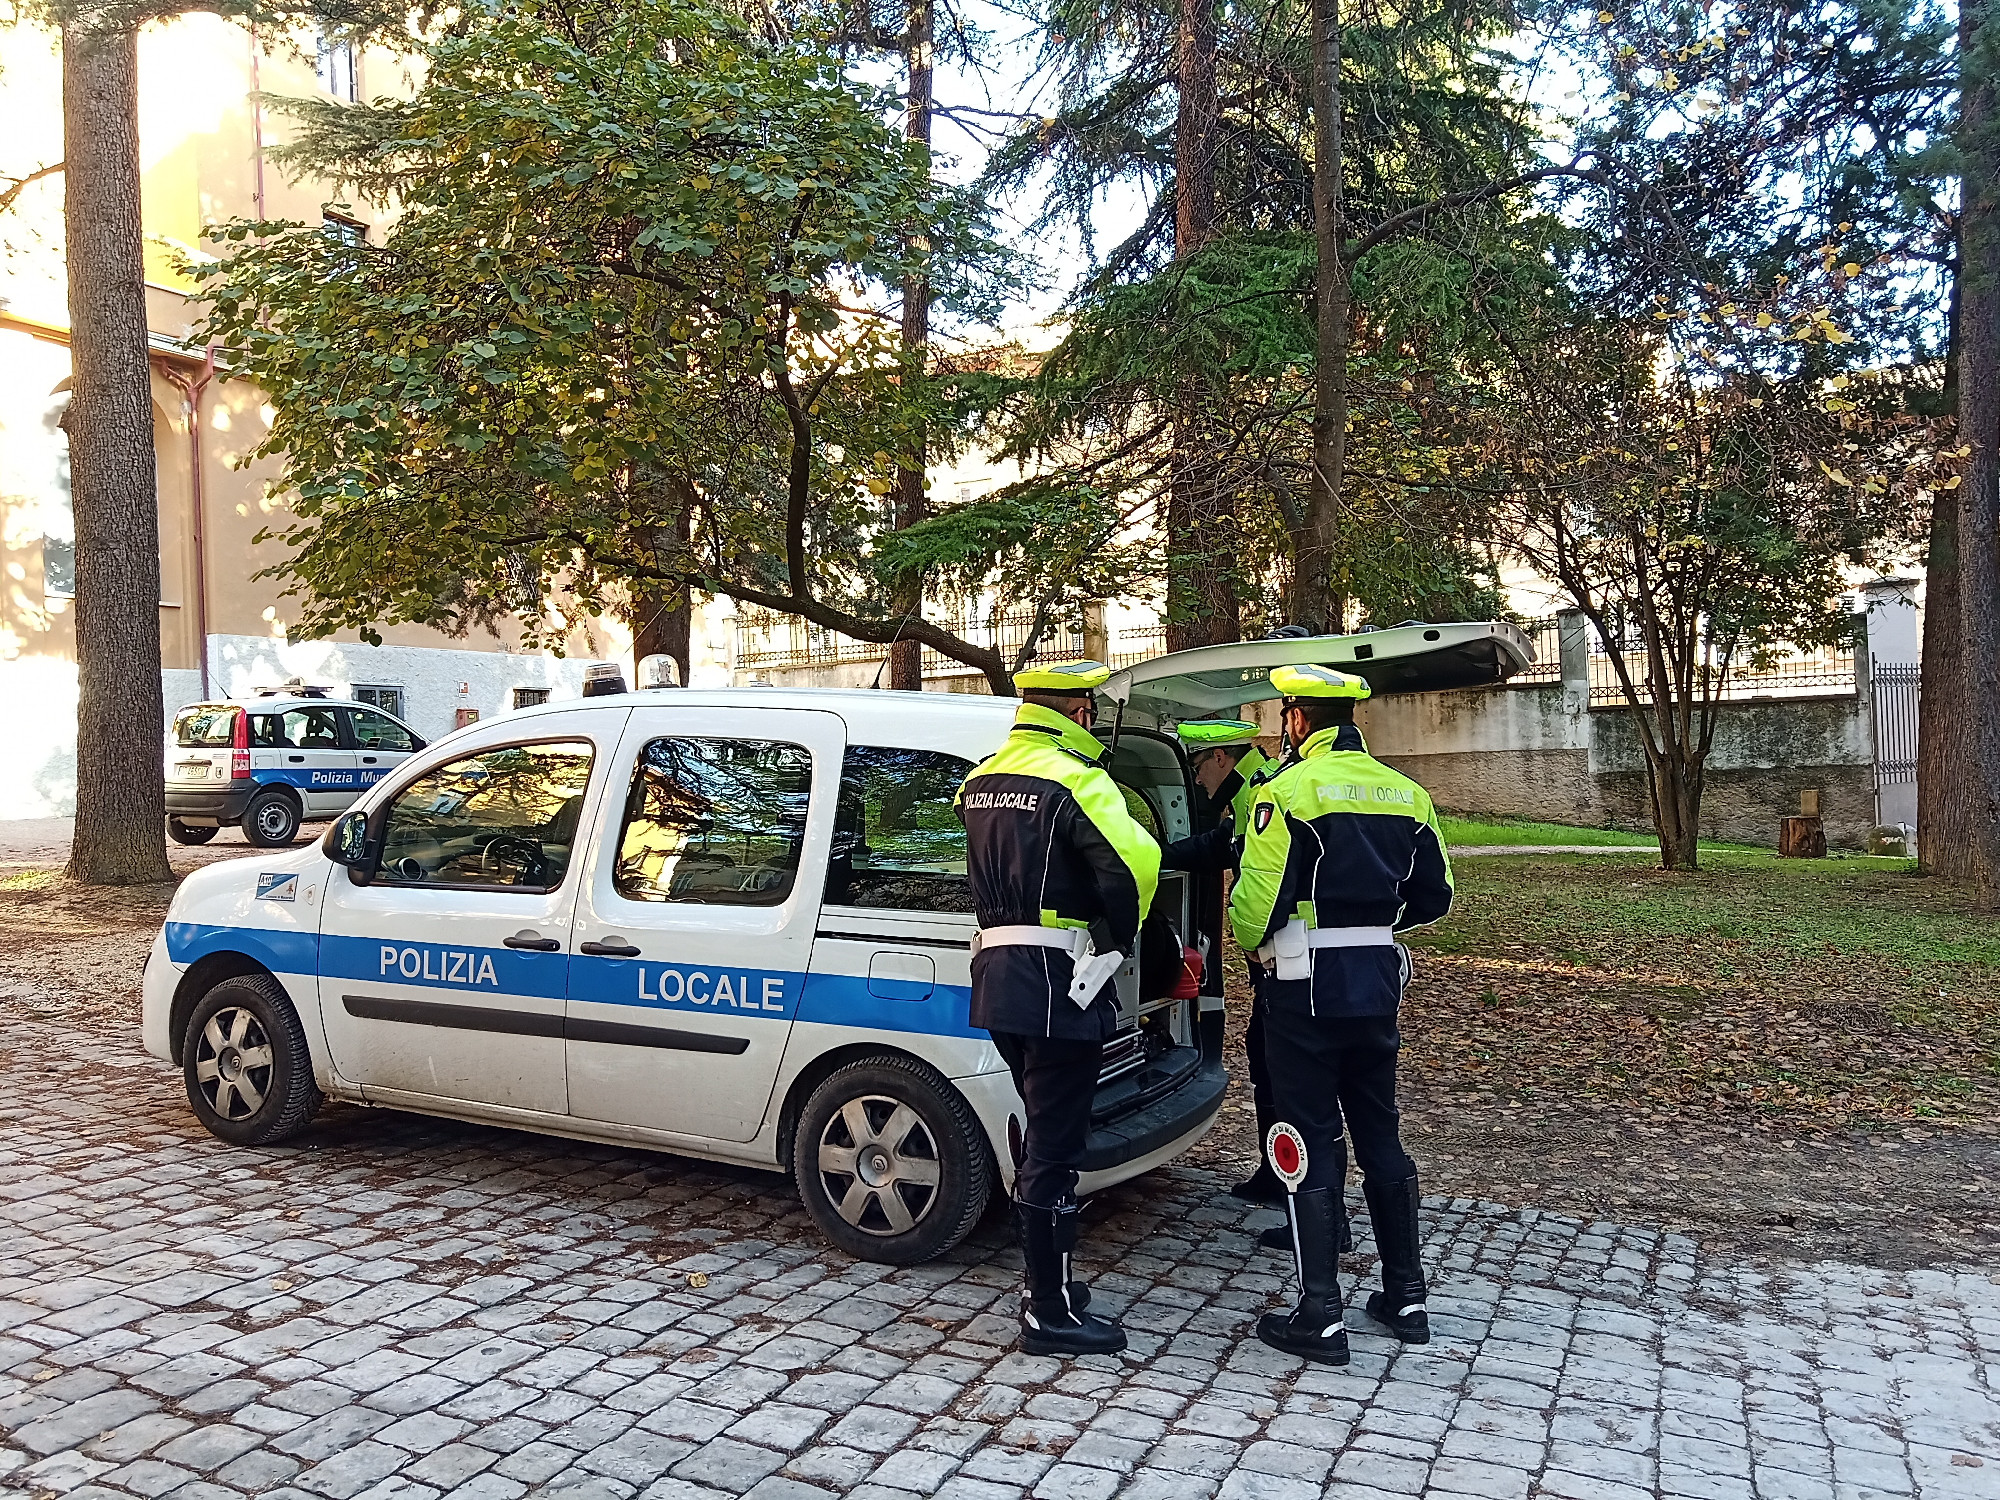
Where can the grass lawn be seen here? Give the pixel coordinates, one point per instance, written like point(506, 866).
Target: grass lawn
point(1842, 990)
point(1476, 831)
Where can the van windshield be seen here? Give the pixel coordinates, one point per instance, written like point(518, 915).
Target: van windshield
point(206, 724)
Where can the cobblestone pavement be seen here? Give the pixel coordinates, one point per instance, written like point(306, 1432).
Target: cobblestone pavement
point(405, 1308)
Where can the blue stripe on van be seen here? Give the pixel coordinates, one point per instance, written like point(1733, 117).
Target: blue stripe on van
point(849, 1000)
point(692, 989)
point(324, 779)
point(280, 950)
point(446, 966)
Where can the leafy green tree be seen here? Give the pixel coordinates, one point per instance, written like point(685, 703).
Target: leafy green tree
point(634, 329)
point(1797, 162)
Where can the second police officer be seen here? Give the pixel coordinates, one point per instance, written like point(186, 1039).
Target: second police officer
point(1062, 879)
point(1341, 853)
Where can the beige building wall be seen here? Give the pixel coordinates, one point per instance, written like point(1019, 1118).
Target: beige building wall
point(204, 147)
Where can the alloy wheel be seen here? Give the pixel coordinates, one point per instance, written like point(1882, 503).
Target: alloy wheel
point(233, 1064)
point(879, 1164)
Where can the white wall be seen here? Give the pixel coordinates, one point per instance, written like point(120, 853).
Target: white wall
point(436, 682)
point(38, 750)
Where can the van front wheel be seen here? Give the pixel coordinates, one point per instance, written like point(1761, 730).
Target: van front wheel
point(891, 1162)
point(246, 1065)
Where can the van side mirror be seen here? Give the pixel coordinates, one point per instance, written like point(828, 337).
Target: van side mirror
point(347, 842)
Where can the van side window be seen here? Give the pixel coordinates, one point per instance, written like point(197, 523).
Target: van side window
point(265, 732)
point(716, 822)
point(897, 841)
point(505, 817)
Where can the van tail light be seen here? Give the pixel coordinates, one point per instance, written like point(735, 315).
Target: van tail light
point(239, 756)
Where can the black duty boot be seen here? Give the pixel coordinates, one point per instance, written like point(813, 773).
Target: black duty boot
point(1052, 1320)
point(1280, 1238)
point(1399, 1306)
point(1313, 1329)
point(1262, 1186)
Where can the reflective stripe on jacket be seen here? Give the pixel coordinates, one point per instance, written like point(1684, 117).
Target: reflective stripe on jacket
point(1049, 842)
point(1340, 840)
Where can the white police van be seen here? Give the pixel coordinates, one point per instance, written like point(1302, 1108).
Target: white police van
point(273, 762)
point(733, 924)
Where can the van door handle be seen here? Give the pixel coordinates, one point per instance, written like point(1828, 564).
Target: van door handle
point(367, 760)
point(295, 757)
point(611, 948)
point(531, 940)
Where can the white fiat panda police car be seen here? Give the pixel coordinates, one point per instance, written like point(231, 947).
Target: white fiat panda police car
point(275, 761)
point(733, 924)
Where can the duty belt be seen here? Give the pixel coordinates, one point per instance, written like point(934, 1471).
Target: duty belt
point(1091, 968)
point(1289, 953)
point(1073, 940)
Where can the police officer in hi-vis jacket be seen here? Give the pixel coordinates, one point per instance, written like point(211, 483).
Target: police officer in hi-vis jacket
point(1340, 854)
point(1062, 879)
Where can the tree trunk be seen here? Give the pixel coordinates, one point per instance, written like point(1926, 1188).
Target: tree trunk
point(1978, 518)
point(120, 773)
point(662, 625)
point(906, 658)
point(1676, 789)
point(1316, 541)
point(1202, 605)
point(662, 617)
point(1942, 821)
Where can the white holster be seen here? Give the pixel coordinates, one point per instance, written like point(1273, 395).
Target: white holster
point(1289, 953)
point(1089, 969)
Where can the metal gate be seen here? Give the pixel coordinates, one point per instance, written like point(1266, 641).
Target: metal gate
point(1895, 723)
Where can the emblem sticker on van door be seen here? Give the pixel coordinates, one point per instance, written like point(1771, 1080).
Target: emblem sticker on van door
point(280, 887)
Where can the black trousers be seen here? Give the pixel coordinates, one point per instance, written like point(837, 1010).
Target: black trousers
point(1260, 1071)
point(1057, 1080)
point(1325, 1067)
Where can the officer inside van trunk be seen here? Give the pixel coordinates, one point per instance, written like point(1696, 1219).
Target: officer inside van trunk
point(1227, 766)
point(1062, 879)
point(1341, 853)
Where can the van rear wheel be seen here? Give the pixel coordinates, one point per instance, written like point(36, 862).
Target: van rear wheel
point(271, 821)
point(891, 1162)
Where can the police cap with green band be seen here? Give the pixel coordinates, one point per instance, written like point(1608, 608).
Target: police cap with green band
point(1074, 678)
point(1214, 734)
point(1317, 682)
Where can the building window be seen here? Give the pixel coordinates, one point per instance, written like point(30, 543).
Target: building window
point(388, 699)
point(343, 230)
point(529, 697)
point(337, 73)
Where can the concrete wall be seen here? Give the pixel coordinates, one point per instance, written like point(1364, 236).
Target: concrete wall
point(1544, 752)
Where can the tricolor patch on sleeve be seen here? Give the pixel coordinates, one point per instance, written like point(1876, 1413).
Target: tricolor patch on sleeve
point(1262, 816)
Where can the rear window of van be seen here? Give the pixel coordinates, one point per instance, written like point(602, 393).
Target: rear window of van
point(206, 726)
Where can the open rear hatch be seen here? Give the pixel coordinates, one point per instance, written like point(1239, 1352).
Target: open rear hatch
point(1209, 680)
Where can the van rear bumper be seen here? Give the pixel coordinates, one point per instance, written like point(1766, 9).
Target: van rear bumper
point(1139, 1133)
point(223, 804)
